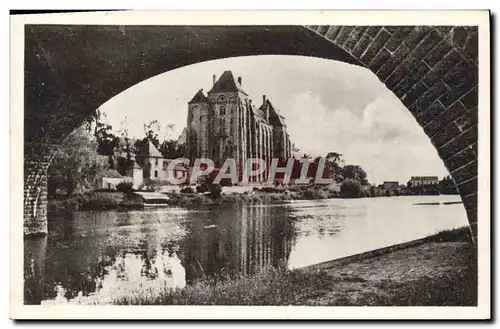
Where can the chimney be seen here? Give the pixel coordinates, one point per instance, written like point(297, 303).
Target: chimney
point(214, 79)
point(239, 80)
point(264, 99)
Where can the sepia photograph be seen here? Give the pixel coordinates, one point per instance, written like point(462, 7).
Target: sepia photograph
point(331, 165)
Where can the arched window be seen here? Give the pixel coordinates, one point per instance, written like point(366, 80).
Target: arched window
point(222, 110)
point(222, 98)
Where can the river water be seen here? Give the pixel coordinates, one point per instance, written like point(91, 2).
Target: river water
point(107, 252)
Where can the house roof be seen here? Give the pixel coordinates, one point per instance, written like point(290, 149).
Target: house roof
point(227, 83)
point(111, 173)
point(136, 166)
point(149, 151)
point(199, 97)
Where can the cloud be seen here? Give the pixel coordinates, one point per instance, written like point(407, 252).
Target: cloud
point(382, 137)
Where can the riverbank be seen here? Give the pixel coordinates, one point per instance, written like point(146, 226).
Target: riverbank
point(110, 199)
point(98, 200)
point(441, 271)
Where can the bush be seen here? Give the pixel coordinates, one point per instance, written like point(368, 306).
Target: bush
point(226, 182)
point(187, 189)
point(313, 193)
point(351, 188)
point(269, 189)
point(215, 191)
point(101, 200)
point(125, 187)
point(202, 188)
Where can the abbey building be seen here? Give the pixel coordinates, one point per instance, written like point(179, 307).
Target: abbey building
point(226, 123)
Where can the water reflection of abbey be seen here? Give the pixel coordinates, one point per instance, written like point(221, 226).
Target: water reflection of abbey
point(106, 251)
point(242, 240)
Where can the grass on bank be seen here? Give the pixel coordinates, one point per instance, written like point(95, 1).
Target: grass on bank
point(300, 287)
point(267, 287)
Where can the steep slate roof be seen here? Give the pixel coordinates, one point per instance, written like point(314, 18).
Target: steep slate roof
point(111, 173)
point(199, 97)
point(149, 151)
point(227, 83)
point(275, 117)
point(259, 113)
point(135, 165)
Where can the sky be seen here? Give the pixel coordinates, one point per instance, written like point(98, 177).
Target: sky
point(329, 106)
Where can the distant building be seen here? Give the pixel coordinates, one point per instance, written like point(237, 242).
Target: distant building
point(151, 161)
point(136, 165)
point(155, 166)
point(112, 178)
point(389, 185)
point(424, 180)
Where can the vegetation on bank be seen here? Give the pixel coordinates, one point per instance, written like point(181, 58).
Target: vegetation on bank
point(266, 287)
point(124, 196)
point(98, 200)
point(272, 286)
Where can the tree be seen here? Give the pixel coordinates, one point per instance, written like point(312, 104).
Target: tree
point(351, 188)
point(334, 163)
point(334, 157)
point(152, 131)
point(447, 186)
point(171, 149)
point(76, 164)
point(355, 172)
point(106, 140)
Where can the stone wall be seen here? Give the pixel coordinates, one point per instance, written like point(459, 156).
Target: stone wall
point(434, 71)
point(35, 197)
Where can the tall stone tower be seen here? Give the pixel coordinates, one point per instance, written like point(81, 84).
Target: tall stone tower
point(225, 124)
point(228, 99)
point(197, 131)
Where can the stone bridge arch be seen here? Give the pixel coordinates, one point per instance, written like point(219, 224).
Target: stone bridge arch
point(71, 70)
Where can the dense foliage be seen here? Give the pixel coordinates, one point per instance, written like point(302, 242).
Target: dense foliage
point(76, 166)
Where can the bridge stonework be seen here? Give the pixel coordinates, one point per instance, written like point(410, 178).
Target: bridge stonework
point(35, 197)
point(434, 72)
point(71, 70)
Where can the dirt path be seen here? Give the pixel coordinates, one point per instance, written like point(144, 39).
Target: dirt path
point(429, 274)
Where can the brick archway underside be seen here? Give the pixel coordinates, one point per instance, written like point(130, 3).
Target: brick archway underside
point(71, 70)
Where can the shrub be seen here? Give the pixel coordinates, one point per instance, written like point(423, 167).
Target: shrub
point(226, 182)
point(215, 191)
point(187, 189)
point(202, 188)
point(313, 194)
point(125, 187)
point(351, 188)
point(101, 200)
point(269, 189)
